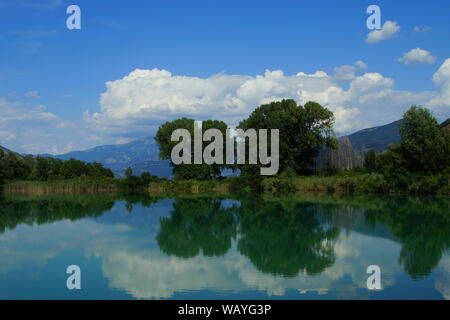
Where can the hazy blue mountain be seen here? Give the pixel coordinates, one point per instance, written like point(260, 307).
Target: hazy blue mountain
point(377, 138)
point(118, 155)
point(446, 124)
point(352, 148)
point(4, 149)
point(159, 168)
point(140, 154)
point(7, 150)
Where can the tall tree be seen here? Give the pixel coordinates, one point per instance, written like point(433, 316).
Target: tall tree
point(128, 172)
point(425, 146)
point(303, 130)
point(189, 171)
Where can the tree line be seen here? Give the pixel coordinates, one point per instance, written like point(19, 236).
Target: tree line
point(39, 168)
point(420, 160)
point(422, 157)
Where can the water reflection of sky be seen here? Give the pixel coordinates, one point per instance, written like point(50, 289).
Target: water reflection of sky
point(120, 258)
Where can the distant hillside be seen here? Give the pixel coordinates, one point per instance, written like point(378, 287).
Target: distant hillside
point(4, 149)
point(140, 154)
point(446, 124)
point(352, 148)
point(377, 138)
point(7, 150)
point(159, 168)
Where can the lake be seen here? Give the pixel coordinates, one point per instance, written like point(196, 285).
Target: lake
point(193, 247)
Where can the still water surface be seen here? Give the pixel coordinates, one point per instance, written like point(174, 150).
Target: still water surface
point(301, 247)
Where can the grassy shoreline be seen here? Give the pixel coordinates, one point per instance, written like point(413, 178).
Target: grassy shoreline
point(69, 186)
point(349, 184)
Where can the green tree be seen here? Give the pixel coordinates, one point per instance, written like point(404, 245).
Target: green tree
point(371, 161)
point(303, 131)
point(96, 169)
point(16, 167)
point(425, 146)
point(189, 171)
point(12, 166)
point(164, 134)
point(128, 172)
point(146, 177)
point(73, 168)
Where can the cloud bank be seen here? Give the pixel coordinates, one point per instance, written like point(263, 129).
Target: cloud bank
point(146, 98)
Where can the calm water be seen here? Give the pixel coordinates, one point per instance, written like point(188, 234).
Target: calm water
point(304, 247)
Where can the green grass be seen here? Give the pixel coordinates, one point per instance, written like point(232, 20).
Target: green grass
point(78, 185)
point(171, 187)
point(343, 183)
point(359, 183)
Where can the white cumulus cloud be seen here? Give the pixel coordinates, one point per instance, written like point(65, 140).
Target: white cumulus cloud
point(141, 101)
point(360, 65)
point(416, 56)
point(348, 72)
point(389, 30)
point(441, 102)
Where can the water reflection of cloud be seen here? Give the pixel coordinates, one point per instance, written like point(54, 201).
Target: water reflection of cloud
point(31, 246)
point(132, 262)
point(150, 274)
point(442, 283)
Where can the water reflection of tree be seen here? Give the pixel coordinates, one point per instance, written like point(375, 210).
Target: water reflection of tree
point(30, 210)
point(284, 241)
point(197, 224)
point(277, 239)
point(39, 210)
point(142, 198)
point(422, 225)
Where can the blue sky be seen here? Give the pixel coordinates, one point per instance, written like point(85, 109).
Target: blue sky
point(209, 59)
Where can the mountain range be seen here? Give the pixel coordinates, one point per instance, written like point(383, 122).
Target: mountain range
point(377, 138)
point(143, 154)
